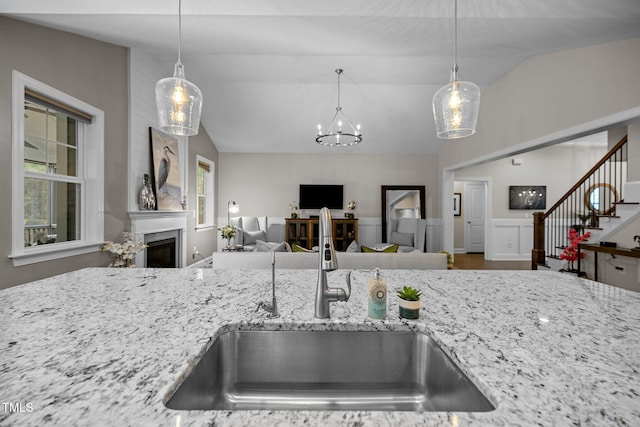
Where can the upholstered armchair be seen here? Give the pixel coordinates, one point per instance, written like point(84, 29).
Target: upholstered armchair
point(252, 228)
point(409, 233)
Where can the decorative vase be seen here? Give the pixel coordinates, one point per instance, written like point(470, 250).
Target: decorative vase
point(294, 215)
point(147, 199)
point(229, 243)
point(409, 309)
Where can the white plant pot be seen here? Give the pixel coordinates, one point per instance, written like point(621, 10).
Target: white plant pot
point(409, 309)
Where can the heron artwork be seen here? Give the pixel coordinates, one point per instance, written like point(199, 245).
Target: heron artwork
point(163, 170)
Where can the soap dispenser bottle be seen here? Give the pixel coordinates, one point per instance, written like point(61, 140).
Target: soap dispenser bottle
point(377, 296)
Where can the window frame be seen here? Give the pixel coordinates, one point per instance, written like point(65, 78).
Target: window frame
point(90, 174)
point(209, 194)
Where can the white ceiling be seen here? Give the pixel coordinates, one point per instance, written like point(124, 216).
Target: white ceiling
point(266, 67)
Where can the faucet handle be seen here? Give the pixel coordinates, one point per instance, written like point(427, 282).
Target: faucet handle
point(348, 279)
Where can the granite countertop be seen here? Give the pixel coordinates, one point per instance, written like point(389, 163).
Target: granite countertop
point(100, 346)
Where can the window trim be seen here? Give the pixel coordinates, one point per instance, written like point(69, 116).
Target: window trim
point(209, 193)
point(92, 194)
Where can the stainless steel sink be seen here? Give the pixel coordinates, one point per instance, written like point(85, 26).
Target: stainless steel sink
point(327, 370)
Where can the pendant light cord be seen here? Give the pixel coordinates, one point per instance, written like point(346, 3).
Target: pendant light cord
point(455, 41)
point(179, 29)
point(455, 33)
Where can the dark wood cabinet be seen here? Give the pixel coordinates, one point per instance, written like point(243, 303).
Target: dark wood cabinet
point(306, 232)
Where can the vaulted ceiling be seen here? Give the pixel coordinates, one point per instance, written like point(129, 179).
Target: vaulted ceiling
point(266, 67)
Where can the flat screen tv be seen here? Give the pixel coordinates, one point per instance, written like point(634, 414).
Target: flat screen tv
point(314, 196)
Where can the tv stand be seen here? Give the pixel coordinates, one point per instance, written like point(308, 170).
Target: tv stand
point(306, 232)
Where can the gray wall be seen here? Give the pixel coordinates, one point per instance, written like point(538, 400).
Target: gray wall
point(92, 71)
point(204, 240)
point(558, 168)
point(547, 99)
point(144, 72)
point(551, 93)
point(265, 184)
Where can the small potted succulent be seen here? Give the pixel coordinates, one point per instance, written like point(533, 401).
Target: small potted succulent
point(409, 302)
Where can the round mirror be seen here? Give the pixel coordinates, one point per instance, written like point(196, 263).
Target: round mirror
point(600, 198)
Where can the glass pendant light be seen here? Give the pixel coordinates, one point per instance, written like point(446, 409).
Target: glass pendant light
point(456, 105)
point(179, 101)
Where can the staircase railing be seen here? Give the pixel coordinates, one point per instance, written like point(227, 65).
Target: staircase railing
point(594, 196)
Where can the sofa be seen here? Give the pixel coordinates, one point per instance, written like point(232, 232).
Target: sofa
point(351, 261)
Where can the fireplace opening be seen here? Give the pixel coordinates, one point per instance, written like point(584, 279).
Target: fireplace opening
point(161, 253)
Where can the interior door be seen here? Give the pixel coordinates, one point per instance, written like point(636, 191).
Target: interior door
point(474, 217)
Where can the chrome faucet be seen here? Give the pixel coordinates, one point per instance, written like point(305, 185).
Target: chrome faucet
point(272, 308)
point(327, 262)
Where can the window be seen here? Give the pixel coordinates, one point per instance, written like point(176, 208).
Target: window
point(57, 173)
point(204, 191)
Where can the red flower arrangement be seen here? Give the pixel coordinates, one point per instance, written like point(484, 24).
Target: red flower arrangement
point(570, 252)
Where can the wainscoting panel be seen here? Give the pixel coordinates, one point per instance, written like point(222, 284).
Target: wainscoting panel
point(512, 239)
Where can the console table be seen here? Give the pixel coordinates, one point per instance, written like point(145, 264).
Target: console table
point(604, 249)
point(305, 232)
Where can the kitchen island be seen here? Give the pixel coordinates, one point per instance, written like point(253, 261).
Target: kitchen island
point(107, 346)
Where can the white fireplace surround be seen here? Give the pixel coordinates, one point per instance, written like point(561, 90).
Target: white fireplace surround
point(154, 222)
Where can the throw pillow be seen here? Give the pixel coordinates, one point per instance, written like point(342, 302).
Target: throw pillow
point(388, 249)
point(298, 248)
point(263, 246)
point(353, 247)
point(252, 237)
point(402, 239)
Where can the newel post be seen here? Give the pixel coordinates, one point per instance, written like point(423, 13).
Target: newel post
point(537, 253)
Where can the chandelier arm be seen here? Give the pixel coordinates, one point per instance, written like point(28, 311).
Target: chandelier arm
point(333, 122)
point(338, 91)
point(353, 128)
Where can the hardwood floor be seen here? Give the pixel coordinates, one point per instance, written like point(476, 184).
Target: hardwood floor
point(477, 262)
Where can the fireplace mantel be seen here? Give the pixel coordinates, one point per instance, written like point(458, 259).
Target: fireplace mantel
point(146, 222)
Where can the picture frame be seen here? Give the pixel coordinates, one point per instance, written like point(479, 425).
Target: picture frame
point(167, 182)
point(457, 204)
point(527, 197)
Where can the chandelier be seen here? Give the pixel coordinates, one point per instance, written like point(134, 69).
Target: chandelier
point(341, 132)
point(456, 105)
point(179, 101)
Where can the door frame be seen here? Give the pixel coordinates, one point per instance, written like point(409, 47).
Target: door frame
point(488, 184)
point(466, 220)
